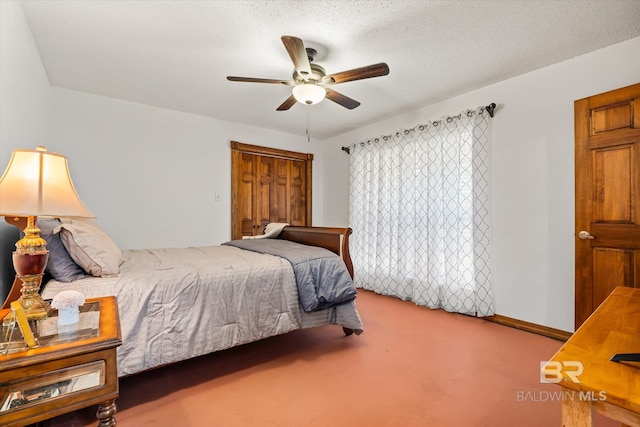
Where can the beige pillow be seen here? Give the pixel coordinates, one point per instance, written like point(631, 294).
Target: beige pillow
point(90, 247)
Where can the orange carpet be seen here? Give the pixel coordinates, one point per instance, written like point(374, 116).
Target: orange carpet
point(411, 367)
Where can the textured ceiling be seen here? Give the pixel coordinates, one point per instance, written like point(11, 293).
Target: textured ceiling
point(177, 54)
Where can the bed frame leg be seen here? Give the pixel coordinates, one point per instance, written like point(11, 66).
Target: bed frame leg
point(347, 331)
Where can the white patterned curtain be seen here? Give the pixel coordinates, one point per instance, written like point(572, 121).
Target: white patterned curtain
point(419, 213)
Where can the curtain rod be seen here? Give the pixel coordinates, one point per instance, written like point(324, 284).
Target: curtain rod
point(491, 108)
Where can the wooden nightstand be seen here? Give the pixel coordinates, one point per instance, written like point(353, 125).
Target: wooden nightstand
point(68, 371)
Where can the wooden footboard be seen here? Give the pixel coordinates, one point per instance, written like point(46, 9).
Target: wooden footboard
point(333, 238)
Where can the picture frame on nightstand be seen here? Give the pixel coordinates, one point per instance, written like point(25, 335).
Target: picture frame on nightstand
point(9, 341)
point(21, 318)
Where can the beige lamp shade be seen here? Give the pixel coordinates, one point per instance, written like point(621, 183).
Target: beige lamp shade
point(37, 183)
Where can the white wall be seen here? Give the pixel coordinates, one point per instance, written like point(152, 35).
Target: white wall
point(532, 175)
point(24, 87)
point(24, 107)
point(150, 174)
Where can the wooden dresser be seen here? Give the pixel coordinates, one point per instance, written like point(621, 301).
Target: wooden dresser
point(583, 367)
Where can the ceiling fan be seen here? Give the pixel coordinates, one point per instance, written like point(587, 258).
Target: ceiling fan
point(311, 83)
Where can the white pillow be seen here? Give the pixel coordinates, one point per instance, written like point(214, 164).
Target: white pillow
point(271, 231)
point(90, 247)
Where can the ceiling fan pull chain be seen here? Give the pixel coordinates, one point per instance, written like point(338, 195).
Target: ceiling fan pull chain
point(308, 133)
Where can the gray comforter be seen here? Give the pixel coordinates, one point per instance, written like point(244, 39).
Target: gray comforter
point(321, 276)
point(179, 303)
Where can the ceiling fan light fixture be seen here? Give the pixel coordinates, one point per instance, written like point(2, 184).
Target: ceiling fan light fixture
point(309, 93)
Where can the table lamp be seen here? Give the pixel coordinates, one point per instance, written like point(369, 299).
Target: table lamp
point(36, 183)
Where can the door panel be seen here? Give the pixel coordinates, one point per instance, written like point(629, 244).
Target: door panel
point(246, 194)
point(612, 184)
point(607, 169)
point(298, 185)
point(280, 196)
point(612, 268)
point(612, 117)
point(264, 190)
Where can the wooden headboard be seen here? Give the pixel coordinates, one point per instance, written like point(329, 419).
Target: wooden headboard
point(332, 238)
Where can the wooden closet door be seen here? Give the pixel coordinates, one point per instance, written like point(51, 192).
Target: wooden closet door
point(268, 185)
point(257, 191)
point(264, 192)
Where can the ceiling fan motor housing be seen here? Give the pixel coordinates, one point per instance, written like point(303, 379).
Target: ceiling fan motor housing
point(316, 76)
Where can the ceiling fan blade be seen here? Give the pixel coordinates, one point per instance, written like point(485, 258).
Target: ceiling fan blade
point(288, 103)
point(375, 70)
point(258, 80)
point(341, 99)
point(298, 55)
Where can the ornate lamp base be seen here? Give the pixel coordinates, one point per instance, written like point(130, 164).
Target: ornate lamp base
point(29, 260)
point(35, 308)
point(30, 267)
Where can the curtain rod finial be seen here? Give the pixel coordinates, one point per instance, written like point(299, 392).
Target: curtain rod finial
point(491, 109)
point(346, 149)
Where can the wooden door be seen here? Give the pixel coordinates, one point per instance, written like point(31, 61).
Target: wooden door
point(268, 185)
point(607, 171)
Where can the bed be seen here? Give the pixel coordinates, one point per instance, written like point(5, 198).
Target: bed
point(180, 303)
